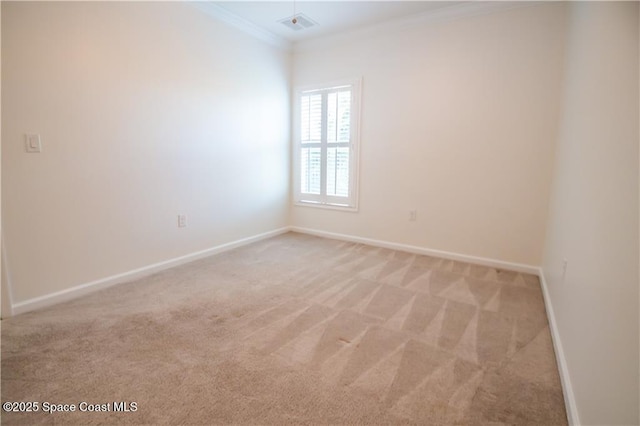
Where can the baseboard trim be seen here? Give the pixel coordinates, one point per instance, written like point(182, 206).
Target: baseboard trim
point(569, 398)
point(7, 296)
point(518, 267)
point(93, 286)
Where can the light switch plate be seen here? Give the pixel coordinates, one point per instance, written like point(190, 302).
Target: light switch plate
point(32, 143)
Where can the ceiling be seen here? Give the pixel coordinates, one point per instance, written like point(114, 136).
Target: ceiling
point(332, 17)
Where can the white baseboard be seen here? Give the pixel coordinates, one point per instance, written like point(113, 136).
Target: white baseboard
point(518, 267)
point(569, 398)
point(7, 297)
point(90, 287)
point(93, 286)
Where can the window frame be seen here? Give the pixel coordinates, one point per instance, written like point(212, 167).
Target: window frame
point(323, 200)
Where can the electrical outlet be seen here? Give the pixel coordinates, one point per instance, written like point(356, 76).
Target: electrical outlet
point(182, 220)
point(564, 268)
point(413, 214)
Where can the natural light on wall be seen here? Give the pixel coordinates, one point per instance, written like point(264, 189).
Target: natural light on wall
point(326, 145)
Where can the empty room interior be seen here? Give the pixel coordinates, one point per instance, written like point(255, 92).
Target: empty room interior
point(315, 212)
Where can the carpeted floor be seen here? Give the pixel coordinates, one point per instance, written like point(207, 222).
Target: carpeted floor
point(294, 330)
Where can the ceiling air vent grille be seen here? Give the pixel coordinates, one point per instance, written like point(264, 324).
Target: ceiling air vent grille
point(302, 22)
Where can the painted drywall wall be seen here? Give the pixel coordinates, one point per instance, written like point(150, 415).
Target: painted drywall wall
point(593, 221)
point(458, 122)
point(145, 110)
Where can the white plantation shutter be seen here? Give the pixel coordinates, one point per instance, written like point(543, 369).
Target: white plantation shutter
point(338, 139)
point(326, 142)
point(310, 138)
point(311, 166)
point(311, 118)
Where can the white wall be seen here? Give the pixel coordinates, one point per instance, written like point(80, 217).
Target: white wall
point(593, 221)
point(458, 122)
point(145, 110)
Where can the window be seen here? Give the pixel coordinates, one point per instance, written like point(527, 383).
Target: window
point(326, 145)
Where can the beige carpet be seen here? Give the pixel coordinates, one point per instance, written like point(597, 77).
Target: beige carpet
point(294, 329)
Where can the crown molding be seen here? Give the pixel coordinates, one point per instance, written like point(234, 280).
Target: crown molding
point(448, 13)
point(222, 14)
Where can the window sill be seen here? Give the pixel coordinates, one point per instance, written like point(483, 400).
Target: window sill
point(326, 206)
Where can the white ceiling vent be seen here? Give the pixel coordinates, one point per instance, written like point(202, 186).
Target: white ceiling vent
point(302, 22)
